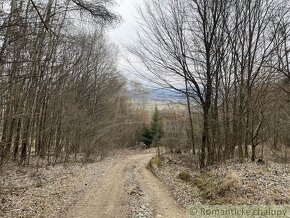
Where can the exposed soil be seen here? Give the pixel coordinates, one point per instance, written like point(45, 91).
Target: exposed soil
point(120, 186)
point(128, 189)
point(125, 185)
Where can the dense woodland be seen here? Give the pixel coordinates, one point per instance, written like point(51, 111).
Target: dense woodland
point(217, 135)
point(61, 91)
point(230, 61)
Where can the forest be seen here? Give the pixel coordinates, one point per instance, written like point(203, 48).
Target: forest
point(230, 62)
point(83, 136)
point(61, 90)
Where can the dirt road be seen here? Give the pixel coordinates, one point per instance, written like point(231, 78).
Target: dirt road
point(128, 189)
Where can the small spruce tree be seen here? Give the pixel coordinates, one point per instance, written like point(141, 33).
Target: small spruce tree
point(156, 129)
point(147, 138)
point(154, 133)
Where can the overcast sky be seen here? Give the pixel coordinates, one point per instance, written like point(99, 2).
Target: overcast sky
point(125, 33)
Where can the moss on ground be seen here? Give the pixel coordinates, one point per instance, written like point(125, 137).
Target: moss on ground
point(184, 176)
point(207, 184)
point(154, 162)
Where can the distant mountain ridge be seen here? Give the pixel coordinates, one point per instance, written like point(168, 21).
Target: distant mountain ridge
point(165, 95)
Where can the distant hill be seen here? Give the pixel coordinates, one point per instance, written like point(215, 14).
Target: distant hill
point(165, 95)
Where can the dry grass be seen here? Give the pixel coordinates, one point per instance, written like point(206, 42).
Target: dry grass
point(207, 183)
point(231, 182)
point(154, 162)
